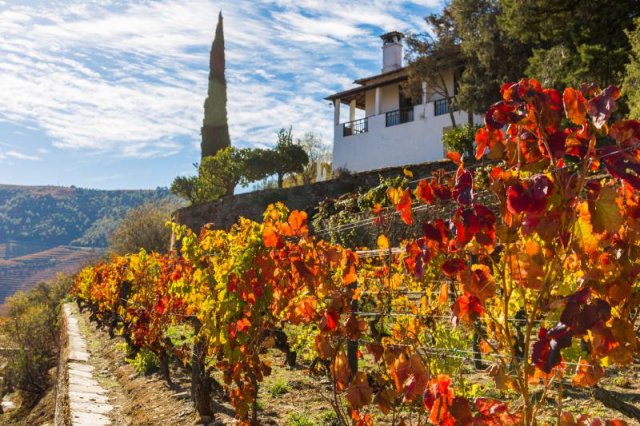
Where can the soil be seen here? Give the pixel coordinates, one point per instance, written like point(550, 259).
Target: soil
point(289, 396)
point(294, 397)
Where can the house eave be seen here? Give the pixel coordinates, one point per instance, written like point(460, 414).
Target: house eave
point(368, 83)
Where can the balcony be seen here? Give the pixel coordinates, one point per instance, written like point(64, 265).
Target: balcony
point(440, 107)
point(399, 116)
point(355, 127)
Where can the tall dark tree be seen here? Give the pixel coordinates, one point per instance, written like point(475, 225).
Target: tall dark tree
point(432, 57)
point(466, 39)
point(215, 129)
point(491, 56)
point(631, 88)
point(573, 41)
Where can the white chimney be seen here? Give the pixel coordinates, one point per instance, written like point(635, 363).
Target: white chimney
point(391, 51)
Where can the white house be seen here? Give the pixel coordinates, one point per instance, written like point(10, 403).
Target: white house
point(392, 130)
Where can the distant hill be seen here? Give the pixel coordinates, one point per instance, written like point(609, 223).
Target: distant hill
point(54, 215)
point(49, 229)
point(21, 273)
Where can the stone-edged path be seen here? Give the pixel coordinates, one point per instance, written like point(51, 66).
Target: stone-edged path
point(88, 401)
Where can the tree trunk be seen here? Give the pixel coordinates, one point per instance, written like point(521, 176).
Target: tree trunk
point(477, 354)
point(200, 389)
point(470, 118)
point(230, 188)
point(445, 93)
point(280, 180)
point(282, 344)
point(164, 367)
point(451, 116)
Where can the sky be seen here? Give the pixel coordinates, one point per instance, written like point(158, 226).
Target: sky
point(109, 94)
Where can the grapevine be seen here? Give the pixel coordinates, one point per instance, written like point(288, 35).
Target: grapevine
point(540, 287)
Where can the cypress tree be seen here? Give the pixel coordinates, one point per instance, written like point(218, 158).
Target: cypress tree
point(215, 130)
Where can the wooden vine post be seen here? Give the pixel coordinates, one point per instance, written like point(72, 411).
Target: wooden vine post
point(352, 345)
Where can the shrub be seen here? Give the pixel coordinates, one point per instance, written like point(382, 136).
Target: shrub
point(145, 362)
point(33, 329)
point(461, 139)
point(144, 227)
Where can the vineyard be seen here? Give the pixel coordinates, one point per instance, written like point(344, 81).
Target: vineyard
point(539, 289)
point(23, 272)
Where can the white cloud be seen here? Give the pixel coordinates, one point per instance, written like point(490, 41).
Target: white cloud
point(20, 156)
point(16, 155)
point(129, 78)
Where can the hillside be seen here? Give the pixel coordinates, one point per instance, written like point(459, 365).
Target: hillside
point(21, 273)
point(54, 215)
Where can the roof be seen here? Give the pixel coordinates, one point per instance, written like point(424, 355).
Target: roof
point(369, 83)
point(392, 34)
point(385, 75)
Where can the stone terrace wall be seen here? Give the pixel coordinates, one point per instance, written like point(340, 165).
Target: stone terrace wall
point(226, 211)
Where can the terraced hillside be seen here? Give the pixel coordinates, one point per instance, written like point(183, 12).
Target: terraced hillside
point(21, 273)
point(43, 229)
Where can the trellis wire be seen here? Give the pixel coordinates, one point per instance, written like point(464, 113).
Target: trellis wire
point(438, 351)
point(370, 220)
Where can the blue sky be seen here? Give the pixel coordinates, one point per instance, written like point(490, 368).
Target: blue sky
point(109, 94)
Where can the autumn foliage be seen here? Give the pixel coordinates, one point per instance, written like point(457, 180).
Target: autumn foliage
point(552, 264)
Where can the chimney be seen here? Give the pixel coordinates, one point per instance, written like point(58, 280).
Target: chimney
point(391, 51)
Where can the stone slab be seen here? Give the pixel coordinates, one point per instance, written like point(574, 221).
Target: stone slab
point(78, 356)
point(82, 396)
point(78, 366)
point(81, 418)
point(80, 373)
point(74, 387)
point(88, 401)
point(90, 407)
point(82, 381)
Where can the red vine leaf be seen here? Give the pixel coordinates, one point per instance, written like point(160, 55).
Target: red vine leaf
point(359, 392)
point(601, 106)
point(404, 207)
point(587, 375)
point(575, 106)
point(468, 308)
point(424, 192)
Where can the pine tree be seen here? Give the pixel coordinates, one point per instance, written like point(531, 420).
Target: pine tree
point(631, 87)
point(215, 129)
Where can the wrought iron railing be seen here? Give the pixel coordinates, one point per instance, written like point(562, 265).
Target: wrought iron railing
point(399, 116)
point(355, 127)
point(440, 107)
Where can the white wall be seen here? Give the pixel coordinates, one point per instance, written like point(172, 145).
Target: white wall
point(389, 98)
point(414, 142)
point(370, 102)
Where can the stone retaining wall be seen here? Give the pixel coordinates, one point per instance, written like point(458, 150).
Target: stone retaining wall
point(223, 213)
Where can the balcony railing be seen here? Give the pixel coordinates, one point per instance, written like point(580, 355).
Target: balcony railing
point(399, 116)
point(355, 127)
point(441, 107)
